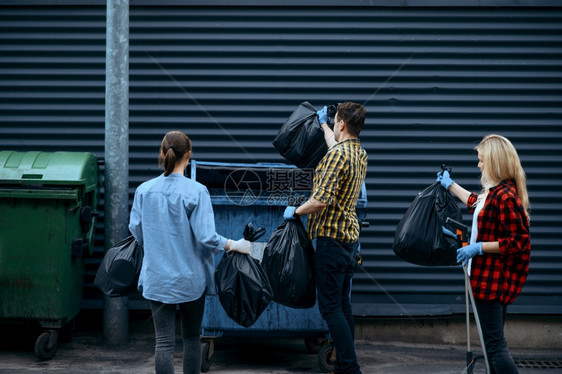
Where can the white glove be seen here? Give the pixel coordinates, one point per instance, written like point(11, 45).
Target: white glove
point(241, 246)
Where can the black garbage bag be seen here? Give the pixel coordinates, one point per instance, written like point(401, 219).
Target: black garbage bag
point(118, 274)
point(301, 138)
point(288, 261)
point(243, 288)
point(419, 238)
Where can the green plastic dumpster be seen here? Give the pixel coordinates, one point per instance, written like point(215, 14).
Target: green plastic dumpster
point(47, 216)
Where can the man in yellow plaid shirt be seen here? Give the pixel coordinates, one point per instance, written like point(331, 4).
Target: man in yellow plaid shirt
point(333, 223)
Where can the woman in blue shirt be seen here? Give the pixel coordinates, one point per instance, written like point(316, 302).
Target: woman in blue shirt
point(173, 219)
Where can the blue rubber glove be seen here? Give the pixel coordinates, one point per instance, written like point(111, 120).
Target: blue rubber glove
point(289, 212)
point(323, 115)
point(466, 253)
point(444, 179)
point(448, 232)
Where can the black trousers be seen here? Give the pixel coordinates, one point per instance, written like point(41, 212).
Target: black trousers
point(334, 264)
point(164, 316)
point(492, 319)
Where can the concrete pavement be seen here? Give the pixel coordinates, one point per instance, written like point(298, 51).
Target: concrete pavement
point(87, 354)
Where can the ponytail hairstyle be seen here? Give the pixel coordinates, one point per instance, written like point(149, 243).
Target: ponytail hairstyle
point(174, 147)
point(501, 162)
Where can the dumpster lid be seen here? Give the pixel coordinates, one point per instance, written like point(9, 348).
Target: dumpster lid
point(56, 168)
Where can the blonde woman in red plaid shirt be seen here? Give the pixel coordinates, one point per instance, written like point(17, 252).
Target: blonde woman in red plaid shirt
point(500, 245)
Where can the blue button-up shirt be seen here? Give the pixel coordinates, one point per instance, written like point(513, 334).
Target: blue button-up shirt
point(173, 218)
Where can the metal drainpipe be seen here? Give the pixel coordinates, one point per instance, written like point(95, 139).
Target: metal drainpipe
point(115, 310)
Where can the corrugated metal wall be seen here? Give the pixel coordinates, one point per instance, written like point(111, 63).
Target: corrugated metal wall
point(434, 81)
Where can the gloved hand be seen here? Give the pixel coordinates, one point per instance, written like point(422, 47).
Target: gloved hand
point(289, 212)
point(445, 179)
point(466, 253)
point(448, 232)
point(323, 115)
point(241, 246)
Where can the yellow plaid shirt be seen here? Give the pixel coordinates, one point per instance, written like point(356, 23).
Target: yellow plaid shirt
point(337, 182)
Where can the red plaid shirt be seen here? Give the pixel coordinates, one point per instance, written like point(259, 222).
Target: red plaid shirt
point(500, 276)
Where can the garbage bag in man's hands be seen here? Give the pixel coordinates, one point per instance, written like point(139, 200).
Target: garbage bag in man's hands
point(419, 238)
point(119, 271)
point(301, 138)
point(288, 261)
point(243, 288)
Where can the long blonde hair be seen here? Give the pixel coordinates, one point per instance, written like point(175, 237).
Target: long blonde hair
point(501, 162)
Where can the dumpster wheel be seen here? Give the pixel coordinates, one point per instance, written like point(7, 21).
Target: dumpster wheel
point(326, 358)
point(46, 345)
point(207, 351)
point(314, 343)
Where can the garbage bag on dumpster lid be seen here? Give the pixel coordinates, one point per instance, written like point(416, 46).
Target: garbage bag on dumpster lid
point(288, 262)
point(419, 238)
point(243, 288)
point(301, 138)
point(118, 274)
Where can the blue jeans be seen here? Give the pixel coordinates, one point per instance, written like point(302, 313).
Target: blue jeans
point(164, 316)
point(334, 264)
point(492, 318)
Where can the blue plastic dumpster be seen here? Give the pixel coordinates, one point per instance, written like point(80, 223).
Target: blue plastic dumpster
point(258, 194)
